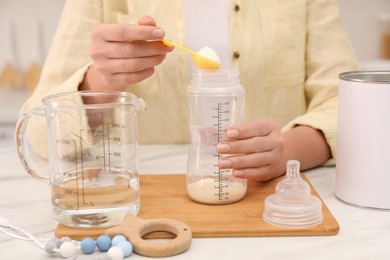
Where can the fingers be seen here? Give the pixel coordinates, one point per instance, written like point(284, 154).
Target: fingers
point(255, 149)
point(259, 174)
point(125, 54)
point(116, 50)
point(250, 145)
point(146, 20)
point(254, 160)
point(252, 129)
point(113, 66)
point(255, 137)
point(118, 73)
point(258, 166)
point(127, 32)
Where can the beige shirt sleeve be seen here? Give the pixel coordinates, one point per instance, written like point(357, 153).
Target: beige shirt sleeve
point(328, 53)
point(66, 64)
point(68, 57)
point(290, 54)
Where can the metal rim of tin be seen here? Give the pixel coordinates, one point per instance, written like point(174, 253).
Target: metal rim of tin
point(367, 76)
point(360, 206)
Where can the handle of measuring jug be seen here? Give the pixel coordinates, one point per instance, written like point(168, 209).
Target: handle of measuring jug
point(22, 144)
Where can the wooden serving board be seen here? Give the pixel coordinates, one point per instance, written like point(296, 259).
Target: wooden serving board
point(165, 196)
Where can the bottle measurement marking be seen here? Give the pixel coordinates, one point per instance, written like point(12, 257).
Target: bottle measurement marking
point(221, 121)
point(219, 131)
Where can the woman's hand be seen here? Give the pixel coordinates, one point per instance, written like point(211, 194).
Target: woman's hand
point(258, 150)
point(124, 54)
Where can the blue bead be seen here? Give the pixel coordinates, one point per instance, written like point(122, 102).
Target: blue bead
point(127, 248)
point(88, 245)
point(103, 242)
point(117, 239)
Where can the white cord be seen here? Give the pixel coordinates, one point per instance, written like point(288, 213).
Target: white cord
point(53, 246)
point(11, 235)
point(5, 224)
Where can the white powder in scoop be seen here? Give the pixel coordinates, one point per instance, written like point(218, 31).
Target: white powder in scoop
point(205, 191)
point(210, 54)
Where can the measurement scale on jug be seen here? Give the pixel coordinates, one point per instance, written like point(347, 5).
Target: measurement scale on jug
point(109, 139)
point(221, 116)
point(95, 176)
point(85, 174)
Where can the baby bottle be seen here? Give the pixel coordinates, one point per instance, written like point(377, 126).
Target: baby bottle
point(215, 101)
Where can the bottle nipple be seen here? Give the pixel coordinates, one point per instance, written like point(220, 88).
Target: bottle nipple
point(292, 205)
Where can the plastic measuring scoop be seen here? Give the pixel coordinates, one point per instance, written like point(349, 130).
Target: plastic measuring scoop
point(292, 205)
point(200, 61)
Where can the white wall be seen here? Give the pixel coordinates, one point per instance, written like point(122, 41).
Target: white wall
point(24, 15)
point(361, 20)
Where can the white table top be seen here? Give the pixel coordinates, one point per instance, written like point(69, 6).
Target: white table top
point(364, 234)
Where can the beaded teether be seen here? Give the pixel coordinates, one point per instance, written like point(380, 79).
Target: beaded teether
point(117, 248)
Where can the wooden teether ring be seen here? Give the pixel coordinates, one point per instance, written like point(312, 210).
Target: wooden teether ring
point(135, 228)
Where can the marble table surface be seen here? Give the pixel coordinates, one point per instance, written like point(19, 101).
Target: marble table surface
point(364, 234)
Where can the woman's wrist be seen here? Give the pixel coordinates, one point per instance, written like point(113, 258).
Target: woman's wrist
point(92, 81)
point(306, 144)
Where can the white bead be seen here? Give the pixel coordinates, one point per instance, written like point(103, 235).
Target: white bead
point(115, 253)
point(67, 249)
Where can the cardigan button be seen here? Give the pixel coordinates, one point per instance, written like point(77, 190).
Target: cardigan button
point(236, 55)
point(236, 8)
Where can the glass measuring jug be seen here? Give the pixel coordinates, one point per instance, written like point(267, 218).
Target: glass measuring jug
point(216, 101)
point(91, 149)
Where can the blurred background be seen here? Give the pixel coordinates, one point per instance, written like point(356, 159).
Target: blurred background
point(28, 26)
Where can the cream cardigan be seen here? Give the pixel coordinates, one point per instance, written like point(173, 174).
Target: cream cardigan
point(289, 53)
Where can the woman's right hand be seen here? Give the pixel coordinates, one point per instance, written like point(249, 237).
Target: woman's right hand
point(124, 54)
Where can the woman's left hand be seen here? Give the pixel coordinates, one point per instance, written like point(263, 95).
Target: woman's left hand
point(255, 150)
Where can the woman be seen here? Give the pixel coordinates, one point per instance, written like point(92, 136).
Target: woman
point(289, 54)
